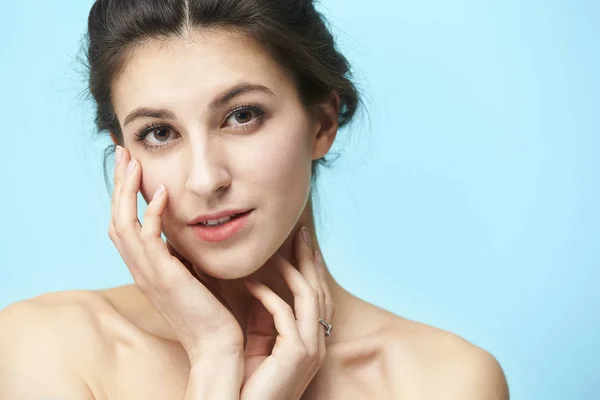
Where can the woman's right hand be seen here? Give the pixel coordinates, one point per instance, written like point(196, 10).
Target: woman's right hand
point(202, 323)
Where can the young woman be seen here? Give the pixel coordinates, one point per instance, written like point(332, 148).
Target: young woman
point(221, 112)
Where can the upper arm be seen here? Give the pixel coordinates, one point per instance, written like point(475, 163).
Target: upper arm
point(35, 361)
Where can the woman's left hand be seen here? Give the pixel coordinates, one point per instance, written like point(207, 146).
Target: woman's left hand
point(284, 371)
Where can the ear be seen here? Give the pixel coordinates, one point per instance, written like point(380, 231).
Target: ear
point(326, 114)
point(114, 138)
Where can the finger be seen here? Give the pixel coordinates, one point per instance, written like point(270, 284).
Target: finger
point(308, 268)
point(152, 227)
point(188, 265)
point(126, 219)
point(175, 253)
point(126, 228)
point(282, 313)
point(306, 303)
point(306, 265)
point(155, 249)
point(118, 178)
point(261, 332)
point(118, 160)
point(326, 303)
point(210, 283)
point(329, 306)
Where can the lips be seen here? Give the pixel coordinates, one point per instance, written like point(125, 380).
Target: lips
point(219, 215)
point(224, 231)
point(221, 221)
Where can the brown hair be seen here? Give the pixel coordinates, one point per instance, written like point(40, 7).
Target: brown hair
point(292, 30)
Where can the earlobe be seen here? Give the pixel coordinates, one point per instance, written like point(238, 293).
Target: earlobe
point(327, 114)
point(114, 138)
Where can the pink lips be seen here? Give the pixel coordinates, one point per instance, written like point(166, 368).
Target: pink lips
point(225, 213)
point(221, 232)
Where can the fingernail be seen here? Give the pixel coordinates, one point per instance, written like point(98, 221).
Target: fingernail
point(130, 167)
point(158, 192)
point(305, 235)
point(118, 155)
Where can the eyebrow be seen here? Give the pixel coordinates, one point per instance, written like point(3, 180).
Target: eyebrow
point(216, 103)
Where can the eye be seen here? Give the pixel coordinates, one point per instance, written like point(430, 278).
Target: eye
point(160, 133)
point(244, 116)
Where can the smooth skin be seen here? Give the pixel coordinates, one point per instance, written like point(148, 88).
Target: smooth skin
point(194, 326)
point(282, 370)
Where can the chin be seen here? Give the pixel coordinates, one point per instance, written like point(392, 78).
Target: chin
point(236, 261)
point(228, 264)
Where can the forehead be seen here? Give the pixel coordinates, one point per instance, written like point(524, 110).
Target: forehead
point(194, 68)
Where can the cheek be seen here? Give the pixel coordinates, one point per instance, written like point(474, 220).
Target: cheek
point(282, 162)
point(151, 180)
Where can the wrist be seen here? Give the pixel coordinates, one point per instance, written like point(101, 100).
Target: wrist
point(219, 361)
point(215, 378)
point(211, 353)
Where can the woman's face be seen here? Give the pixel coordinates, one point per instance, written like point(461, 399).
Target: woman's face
point(225, 130)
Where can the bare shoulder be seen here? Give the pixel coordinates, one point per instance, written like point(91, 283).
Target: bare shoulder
point(428, 362)
point(47, 343)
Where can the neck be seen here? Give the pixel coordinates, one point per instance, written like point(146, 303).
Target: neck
point(236, 295)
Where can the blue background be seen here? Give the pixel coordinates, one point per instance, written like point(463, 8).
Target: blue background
point(466, 198)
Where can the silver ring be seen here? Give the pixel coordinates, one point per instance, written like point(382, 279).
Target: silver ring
point(327, 326)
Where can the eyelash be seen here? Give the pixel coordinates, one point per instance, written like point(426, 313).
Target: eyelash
point(147, 129)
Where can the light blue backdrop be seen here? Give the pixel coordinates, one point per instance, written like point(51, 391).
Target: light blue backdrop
point(470, 202)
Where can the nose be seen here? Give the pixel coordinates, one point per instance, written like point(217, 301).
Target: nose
point(208, 173)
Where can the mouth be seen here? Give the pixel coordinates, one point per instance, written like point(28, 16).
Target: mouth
point(222, 221)
point(223, 228)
